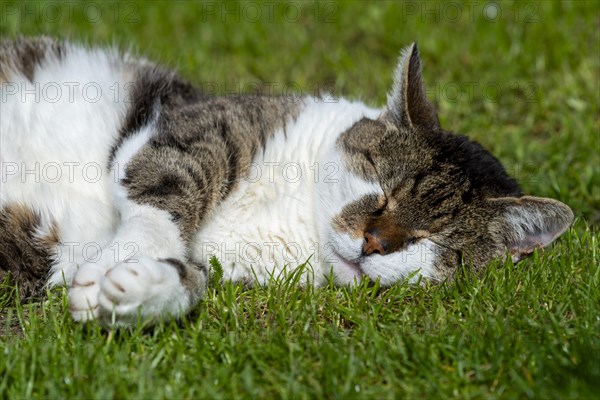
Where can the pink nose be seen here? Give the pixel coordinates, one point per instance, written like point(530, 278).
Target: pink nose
point(372, 245)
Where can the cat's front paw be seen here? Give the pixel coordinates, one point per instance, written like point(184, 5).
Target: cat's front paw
point(83, 294)
point(147, 288)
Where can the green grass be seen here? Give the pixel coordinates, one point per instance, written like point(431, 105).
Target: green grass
point(532, 330)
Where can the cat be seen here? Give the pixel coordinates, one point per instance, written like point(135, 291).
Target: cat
point(122, 181)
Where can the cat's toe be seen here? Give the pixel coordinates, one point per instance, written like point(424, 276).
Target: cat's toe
point(85, 314)
point(83, 294)
point(83, 302)
point(122, 284)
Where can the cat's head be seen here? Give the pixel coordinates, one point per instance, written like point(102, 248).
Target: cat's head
point(413, 197)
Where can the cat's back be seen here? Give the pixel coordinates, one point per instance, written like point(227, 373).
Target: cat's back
point(61, 102)
point(63, 107)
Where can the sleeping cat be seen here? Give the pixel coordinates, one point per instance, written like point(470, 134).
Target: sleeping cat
point(122, 181)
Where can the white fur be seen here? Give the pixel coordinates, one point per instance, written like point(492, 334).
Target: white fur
point(393, 267)
point(62, 127)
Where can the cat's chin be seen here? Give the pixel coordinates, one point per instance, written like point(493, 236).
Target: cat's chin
point(346, 272)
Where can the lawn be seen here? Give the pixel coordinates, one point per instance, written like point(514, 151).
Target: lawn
point(522, 78)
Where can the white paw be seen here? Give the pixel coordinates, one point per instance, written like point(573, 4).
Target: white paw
point(83, 294)
point(147, 288)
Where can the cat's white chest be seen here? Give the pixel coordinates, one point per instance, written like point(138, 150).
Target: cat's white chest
point(264, 226)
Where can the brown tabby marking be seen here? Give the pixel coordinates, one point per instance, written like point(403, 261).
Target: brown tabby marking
point(23, 255)
point(22, 55)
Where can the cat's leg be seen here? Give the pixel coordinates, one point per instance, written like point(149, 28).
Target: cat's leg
point(145, 269)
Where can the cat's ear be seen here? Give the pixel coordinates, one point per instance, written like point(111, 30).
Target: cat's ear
point(407, 102)
point(528, 223)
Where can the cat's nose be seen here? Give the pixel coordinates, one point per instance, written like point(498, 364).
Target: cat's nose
point(373, 244)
